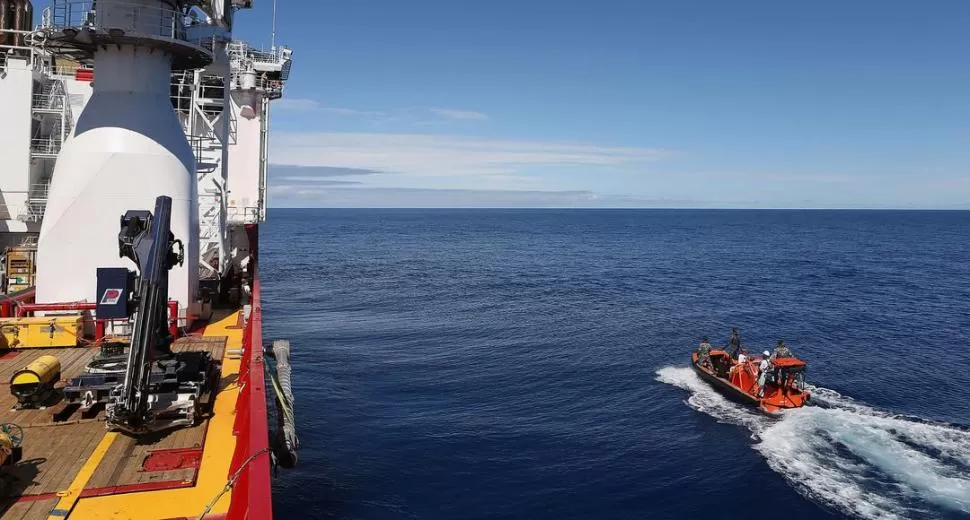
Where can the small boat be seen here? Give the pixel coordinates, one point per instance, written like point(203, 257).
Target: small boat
point(784, 387)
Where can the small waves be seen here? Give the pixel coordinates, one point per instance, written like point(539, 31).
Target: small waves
point(846, 455)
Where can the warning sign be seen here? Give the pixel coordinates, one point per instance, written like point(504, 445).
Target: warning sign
point(111, 296)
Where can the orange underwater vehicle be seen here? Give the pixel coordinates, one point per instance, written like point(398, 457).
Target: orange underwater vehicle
point(784, 384)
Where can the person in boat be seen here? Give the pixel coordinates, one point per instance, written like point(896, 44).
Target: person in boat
point(742, 356)
point(781, 351)
point(704, 353)
point(735, 343)
point(763, 370)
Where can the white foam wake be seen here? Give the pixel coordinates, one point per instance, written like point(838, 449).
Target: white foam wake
point(844, 454)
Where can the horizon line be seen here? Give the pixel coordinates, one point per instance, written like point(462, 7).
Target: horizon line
point(621, 208)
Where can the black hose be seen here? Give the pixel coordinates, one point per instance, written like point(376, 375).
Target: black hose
point(108, 365)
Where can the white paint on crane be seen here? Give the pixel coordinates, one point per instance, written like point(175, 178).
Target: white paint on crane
point(127, 149)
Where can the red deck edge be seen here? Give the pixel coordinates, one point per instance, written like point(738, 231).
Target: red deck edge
point(251, 494)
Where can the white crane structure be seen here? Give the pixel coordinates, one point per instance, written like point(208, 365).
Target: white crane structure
point(133, 99)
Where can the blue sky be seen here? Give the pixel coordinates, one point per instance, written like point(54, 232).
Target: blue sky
point(621, 103)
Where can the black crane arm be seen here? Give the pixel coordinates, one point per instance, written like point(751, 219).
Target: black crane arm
point(146, 239)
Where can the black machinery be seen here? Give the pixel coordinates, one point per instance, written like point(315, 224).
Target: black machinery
point(153, 388)
point(11, 453)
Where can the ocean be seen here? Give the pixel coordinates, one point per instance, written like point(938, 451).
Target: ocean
point(472, 364)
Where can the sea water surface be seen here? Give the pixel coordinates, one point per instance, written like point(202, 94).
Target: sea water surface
point(467, 364)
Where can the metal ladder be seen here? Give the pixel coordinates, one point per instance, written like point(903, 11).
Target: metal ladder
point(53, 111)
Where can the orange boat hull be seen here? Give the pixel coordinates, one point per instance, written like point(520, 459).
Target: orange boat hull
point(739, 382)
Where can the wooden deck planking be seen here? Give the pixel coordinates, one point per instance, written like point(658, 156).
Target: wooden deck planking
point(214, 344)
point(75, 444)
point(35, 509)
point(53, 453)
point(122, 464)
point(52, 456)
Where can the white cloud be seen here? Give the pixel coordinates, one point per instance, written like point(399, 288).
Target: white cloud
point(311, 180)
point(284, 170)
point(315, 195)
point(353, 112)
point(461, 115)
point(307, 105)
point(762, 178)
point(407, 116)
point(295, 104)
point(442, 155)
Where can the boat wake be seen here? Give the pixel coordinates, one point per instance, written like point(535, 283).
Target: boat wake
point(846, 455)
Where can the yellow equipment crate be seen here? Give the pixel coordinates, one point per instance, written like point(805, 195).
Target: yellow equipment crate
point(34, 332)
point(20, 268)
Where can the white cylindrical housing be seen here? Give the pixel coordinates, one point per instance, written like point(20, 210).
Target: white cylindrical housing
point(127, 148)
point(247, 80)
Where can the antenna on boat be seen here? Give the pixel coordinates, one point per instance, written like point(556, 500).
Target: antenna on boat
point(273, 37)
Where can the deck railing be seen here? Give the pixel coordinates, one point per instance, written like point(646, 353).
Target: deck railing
point(10, 301)
point(244, 214)
point(45, 146)
point(117, 14)
point(48, 102)
point(242, 50)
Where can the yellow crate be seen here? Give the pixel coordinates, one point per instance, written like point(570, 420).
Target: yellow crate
point(54, 331)
point(20, 268)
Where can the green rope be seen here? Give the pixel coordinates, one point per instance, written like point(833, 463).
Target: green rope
point(230, 483)
point(287, 407)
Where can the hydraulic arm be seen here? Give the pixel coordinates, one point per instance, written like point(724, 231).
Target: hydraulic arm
point(148, 241)
point(160, 388)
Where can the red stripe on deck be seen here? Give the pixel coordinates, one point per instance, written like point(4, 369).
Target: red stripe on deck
point(34, 498)
point(135, 488)
point(172, 459)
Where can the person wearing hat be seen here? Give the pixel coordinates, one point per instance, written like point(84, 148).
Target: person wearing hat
point(704, 353)
point(781, 350)
point(763, 371)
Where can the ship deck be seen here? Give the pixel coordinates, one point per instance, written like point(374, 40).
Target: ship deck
point(73, 466)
